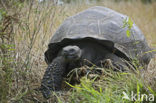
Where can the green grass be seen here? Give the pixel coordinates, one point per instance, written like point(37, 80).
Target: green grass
point(32, 31)
point(110, 87)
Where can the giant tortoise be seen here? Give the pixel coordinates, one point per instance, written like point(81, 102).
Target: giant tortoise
point(95, 34)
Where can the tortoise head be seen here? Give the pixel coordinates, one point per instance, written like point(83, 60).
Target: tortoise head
point(71, 53)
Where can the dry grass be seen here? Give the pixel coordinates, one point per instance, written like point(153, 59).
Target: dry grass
point(41, 21)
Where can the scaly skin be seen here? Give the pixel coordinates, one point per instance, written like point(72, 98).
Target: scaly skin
point(53, 76)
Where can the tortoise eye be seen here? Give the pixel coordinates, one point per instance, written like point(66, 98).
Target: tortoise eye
point(65, 52)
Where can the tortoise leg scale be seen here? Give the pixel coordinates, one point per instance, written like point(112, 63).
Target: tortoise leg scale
point(53, 76)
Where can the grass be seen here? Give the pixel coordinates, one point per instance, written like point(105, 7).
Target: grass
point(32, 34)
point(110, 88)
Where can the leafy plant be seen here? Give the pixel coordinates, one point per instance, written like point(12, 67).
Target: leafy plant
point(128, 24)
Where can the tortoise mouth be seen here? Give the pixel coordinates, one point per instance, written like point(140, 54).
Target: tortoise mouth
point(72, 57)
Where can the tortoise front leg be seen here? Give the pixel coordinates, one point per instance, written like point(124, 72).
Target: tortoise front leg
point(53, 76)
